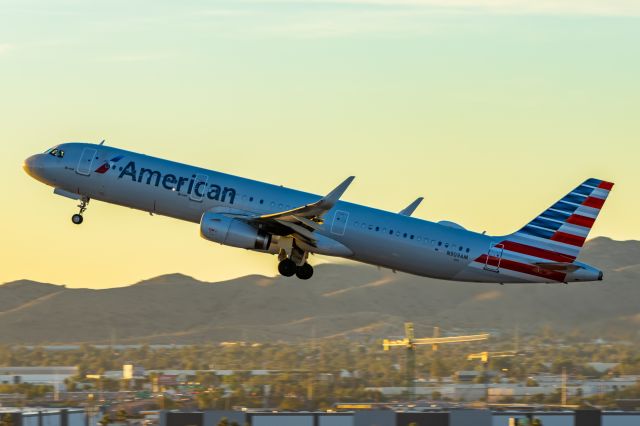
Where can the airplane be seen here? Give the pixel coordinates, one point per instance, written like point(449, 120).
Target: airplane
point(291, 224)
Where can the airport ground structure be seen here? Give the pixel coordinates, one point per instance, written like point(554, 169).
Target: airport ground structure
point(415, 417)
point(462, 386)
point(454, 417)
point(548, 384)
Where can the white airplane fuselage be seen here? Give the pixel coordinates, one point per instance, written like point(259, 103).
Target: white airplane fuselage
point(357, 232)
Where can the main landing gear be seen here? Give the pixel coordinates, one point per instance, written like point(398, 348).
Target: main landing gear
point(288, 268)
point(296, 264)
point(78, 218)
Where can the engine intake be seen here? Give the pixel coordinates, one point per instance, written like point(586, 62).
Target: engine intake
point(233, 232)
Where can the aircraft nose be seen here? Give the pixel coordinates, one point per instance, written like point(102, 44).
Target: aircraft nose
point(31, 165)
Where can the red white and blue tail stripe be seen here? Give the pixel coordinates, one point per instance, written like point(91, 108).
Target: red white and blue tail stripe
point(559, 232)
point(548, 246)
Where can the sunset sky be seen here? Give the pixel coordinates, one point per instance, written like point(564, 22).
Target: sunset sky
point(490, 109)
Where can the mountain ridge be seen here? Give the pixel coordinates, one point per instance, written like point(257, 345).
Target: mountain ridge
point(343, 299)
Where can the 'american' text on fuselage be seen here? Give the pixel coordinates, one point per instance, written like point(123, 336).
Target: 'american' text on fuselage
point(172, 182)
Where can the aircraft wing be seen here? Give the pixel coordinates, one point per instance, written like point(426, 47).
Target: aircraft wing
point(301, 221)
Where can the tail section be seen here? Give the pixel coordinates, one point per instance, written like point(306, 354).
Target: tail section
point(558, 234)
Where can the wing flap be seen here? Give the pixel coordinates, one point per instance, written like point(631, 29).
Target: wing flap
point(300, 222)
point(300, 230)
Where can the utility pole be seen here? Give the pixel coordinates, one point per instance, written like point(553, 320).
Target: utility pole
point(56, 388)
point(314, 369)
point(563, 390)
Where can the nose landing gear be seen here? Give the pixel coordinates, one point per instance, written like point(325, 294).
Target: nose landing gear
point(78, 218)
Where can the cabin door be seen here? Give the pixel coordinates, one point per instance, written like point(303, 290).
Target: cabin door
point(86, 161)
point(339, 222)
point(494, 258)
point(199, 190)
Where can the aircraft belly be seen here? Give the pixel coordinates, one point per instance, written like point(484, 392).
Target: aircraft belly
point(412, 258)
point(120, 192)
point(173, 204)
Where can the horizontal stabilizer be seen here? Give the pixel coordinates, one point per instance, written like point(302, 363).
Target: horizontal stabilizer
point(558, 266)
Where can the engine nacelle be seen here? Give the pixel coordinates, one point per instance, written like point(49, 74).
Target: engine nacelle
point(233, 232)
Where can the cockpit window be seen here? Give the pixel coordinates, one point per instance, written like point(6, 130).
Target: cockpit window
point(56, 152)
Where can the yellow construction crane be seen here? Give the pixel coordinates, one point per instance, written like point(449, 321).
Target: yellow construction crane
point(484, 358)
point(409, 342)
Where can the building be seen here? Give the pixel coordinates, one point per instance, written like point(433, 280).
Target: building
point(130, 372)
point(53, 376)
point(49, 417)
point(453, 391)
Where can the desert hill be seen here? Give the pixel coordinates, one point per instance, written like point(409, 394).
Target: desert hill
point(341, 300)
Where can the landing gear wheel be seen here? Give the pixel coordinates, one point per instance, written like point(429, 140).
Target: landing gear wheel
point(304, 272)
point(287, 267)
point(77, 219)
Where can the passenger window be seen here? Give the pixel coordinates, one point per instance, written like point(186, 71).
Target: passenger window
point(404, 235)
point(467, 249)
point(377, 228)
point(439, 243)
point(251, 199)
point(390, 231)
point(411, 237)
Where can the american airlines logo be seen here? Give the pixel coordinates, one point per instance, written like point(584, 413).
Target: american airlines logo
point(109, 164)
point(171, 182)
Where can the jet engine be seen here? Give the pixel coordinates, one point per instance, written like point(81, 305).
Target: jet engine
point(233, 232)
